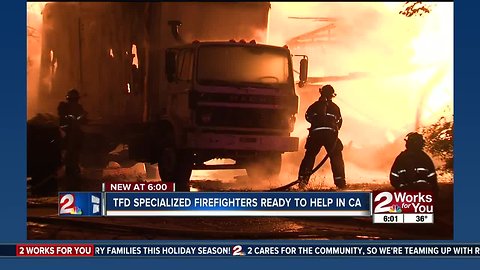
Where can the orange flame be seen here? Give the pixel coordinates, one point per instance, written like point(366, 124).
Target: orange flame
point(34, 43)
point(409, 61)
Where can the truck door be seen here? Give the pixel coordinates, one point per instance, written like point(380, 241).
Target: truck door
point(180, 84)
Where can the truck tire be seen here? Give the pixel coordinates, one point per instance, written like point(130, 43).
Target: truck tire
point(166, 164)
point(176, 166)
point(264, 166)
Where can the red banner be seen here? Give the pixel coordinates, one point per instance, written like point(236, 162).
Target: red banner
point(139, 187)
point(55, 250)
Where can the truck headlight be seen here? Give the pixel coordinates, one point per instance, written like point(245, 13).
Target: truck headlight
point(206, 118)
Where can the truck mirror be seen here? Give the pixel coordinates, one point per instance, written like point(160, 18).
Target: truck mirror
point(303, 70)
point(170, 65)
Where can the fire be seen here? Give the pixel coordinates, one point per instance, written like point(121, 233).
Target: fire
point(34, 43)
point(35, 7)
point(409, 62)
point(434, 50)
point(392, 48)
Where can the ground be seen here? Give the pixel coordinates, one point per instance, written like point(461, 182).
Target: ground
point(43, 222)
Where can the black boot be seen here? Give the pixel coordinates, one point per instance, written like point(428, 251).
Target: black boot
point(340, 182)
point(303, 179)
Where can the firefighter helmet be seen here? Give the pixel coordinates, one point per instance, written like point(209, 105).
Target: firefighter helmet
point(327, 91)
point(414, 140)
point(73, 95)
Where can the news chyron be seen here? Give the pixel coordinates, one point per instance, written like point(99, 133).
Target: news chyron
point(80, 204)
point(403, 207)
point(414, 207)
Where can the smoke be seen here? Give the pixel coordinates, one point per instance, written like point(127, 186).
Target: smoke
point(232, 20)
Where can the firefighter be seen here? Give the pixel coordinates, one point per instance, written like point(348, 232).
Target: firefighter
point(72, 116)
point(413, 169)
point(326, 120)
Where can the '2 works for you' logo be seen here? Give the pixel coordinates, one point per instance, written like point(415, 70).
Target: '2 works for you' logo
point(79, 204)
point(418, 202)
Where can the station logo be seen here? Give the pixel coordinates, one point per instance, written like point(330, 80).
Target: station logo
point(418, 202)
point(79, 204)
point(395, 209)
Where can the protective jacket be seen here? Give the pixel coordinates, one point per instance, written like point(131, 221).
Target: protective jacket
point(72, 115)
point(411, 168)
point(324, 114)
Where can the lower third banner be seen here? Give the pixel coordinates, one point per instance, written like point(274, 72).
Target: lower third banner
point(228, 250)
point(238, 204)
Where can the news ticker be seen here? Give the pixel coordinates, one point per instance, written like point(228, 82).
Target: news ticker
point(238, 250)
point(158, 199)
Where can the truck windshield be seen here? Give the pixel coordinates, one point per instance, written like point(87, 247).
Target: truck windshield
point(242, 65)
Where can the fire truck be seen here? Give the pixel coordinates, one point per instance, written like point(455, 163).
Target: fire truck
point(177, 84)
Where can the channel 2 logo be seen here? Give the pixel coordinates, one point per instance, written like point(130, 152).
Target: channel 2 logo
point(418, 202)
point(238, 251)
point(80, 204)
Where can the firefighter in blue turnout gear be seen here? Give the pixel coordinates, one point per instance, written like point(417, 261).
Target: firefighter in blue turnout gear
point(72, 116)
point(326, 120)
point(413, 169)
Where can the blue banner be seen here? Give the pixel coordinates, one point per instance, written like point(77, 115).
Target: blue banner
point(310, 250)
point(239, 204)
point(259, 250)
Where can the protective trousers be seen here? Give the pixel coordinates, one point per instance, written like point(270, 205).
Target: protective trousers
point(315, 141)
point(73, 145)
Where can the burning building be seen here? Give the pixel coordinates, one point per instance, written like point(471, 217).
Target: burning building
point(405, 63)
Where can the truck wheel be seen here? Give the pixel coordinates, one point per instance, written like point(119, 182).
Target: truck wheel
point(183, 171)
point(176, 166)
point(265, 166)
point(166, 164)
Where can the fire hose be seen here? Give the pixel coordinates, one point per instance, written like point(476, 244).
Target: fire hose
point(320, 164)
point(287, 186)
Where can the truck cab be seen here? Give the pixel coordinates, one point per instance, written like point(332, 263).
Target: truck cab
point(167, 100)
point(228, 99)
